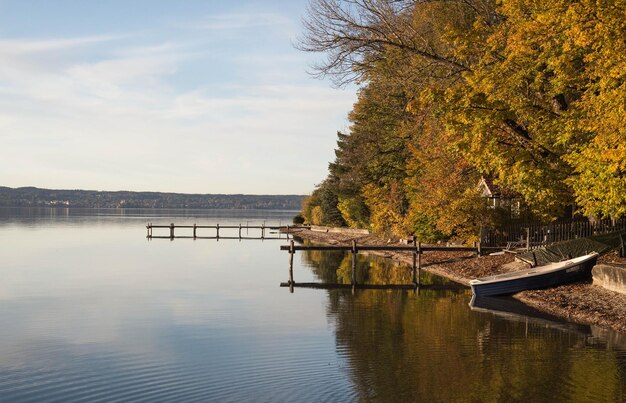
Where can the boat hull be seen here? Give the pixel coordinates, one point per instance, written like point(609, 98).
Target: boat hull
point(534, 279)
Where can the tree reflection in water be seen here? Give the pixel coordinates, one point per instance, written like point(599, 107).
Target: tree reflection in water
point(405, 346)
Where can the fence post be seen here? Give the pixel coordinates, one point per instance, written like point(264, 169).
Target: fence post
point(172, 231)
point(527, 239)
point(481, 234)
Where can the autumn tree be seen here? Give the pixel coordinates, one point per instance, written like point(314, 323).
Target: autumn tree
point(355, 35)
point(531, 93)
point(542, 107)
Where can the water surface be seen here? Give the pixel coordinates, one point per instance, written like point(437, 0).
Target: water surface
point(93, 311)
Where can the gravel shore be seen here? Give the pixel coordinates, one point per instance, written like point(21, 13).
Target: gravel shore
point(582, 303)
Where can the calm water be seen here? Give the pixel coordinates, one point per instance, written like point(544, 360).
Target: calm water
point(90, 310)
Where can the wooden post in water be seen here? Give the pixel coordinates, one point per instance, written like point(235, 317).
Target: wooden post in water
point(148, 230)
point(415, 261)
point(194, 231)
point(172, 231)
point(291, 253)
point(354, 252)
point(217, 227)
point(263, 231)
point(239, 231)
point(419, 263)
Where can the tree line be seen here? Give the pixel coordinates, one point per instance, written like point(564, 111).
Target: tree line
point(528, 93)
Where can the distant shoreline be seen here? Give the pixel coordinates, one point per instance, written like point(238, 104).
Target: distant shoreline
point(38, 197)
point(294, 211)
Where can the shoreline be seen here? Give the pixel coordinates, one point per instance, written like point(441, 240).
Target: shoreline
point(582, 303)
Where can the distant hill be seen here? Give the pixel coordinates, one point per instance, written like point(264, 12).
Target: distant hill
point(35, 197)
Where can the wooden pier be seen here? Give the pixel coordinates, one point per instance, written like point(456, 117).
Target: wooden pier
point(199, 231)
point(417, 249)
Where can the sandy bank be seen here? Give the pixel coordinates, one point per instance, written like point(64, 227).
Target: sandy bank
point(581, 302)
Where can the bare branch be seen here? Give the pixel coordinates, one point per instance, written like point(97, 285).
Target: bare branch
point(352, 33)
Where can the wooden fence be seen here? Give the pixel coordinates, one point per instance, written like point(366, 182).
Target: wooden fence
point(535, 235)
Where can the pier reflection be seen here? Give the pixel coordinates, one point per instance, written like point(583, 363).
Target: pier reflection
point(344, 269)
point(432, 347)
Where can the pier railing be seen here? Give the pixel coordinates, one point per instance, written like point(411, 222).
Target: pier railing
point(199, 231)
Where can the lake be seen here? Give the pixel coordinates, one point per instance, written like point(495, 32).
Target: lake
point(91, 310)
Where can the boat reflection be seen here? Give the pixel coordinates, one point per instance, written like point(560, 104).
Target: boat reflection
point(512, 309)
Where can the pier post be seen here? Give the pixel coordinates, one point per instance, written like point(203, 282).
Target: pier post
point(354, 252)
point(172, 231)
point(240, 231)
point(263, 231)
point(217, 227)
point(291, 253)
point(148, 231)
point(194, 231)
point(414, 262)
point(419, 263)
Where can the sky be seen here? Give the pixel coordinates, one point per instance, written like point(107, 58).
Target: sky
point(153, 95)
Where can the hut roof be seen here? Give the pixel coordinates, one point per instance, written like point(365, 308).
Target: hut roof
point(490, 189)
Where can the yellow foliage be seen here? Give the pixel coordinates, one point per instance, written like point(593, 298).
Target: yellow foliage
point(385, 209)
point(350, 211)
point(317, 216)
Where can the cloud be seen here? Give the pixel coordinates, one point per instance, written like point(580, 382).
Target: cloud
point(126, 79)
point(236, 21)
point(130, 70)
point(264, 100)
point(25, 46)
